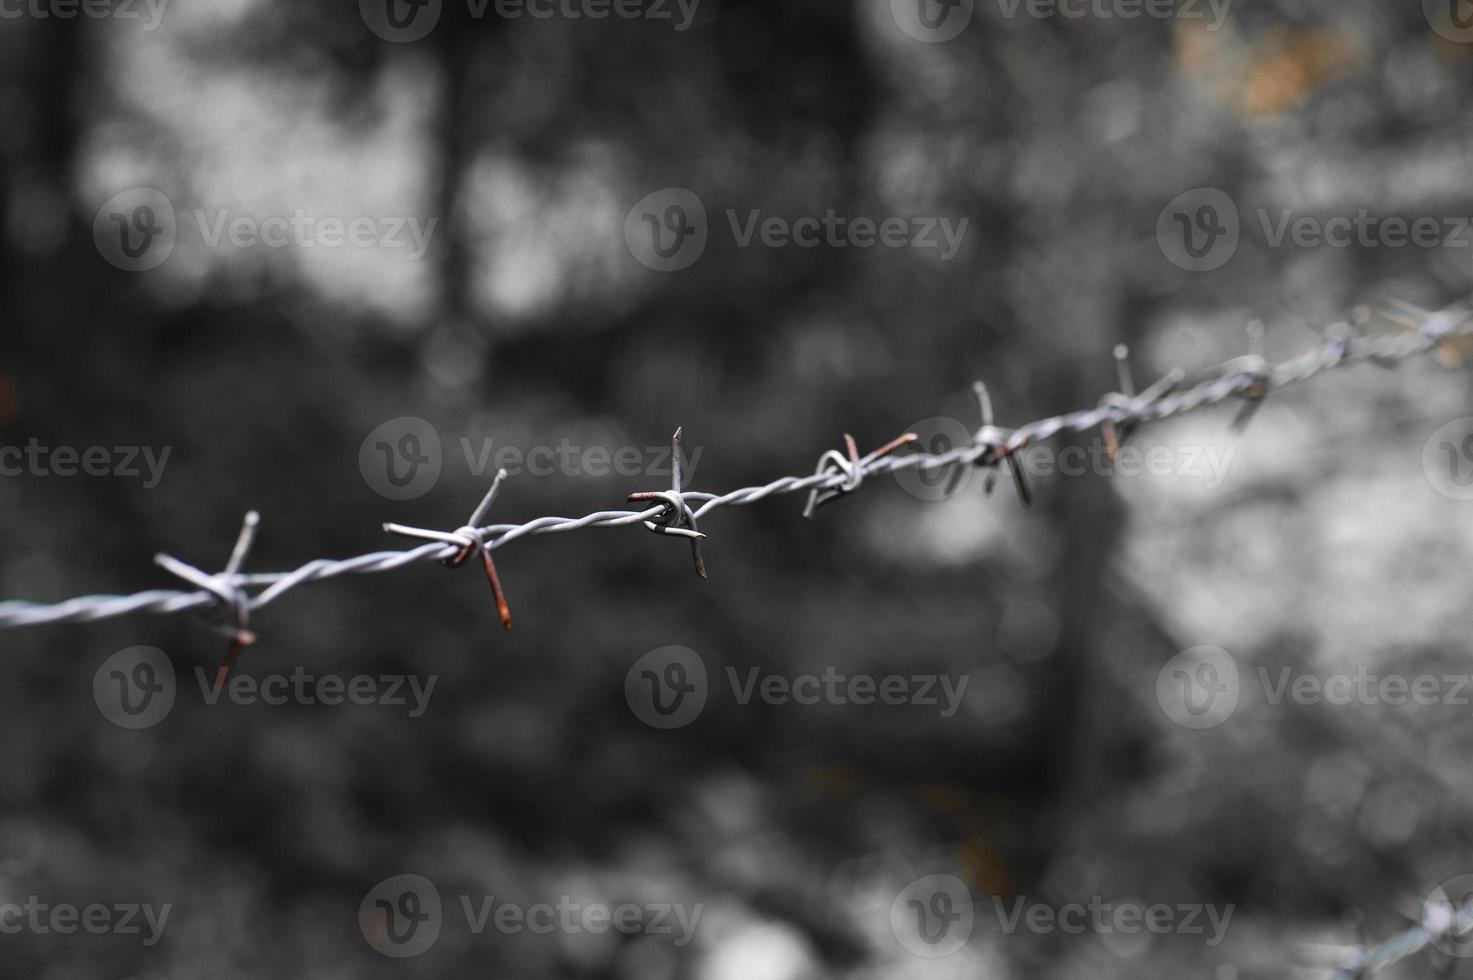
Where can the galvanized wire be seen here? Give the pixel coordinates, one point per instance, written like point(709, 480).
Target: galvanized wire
point(1448, 923)
point(1249, 377)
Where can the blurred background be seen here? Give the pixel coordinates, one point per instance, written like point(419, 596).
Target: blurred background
point(549, 219)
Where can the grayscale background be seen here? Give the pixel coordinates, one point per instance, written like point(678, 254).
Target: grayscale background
point(337, 263)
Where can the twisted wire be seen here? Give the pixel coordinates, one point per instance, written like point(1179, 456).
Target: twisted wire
point(1454, 924)
point(1246, 377)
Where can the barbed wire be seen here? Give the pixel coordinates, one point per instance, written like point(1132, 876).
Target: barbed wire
point(1439, 921)
point(227, 600)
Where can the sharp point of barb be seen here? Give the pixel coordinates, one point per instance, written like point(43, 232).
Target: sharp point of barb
point(469, 539)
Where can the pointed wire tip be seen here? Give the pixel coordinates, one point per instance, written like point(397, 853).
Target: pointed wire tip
point(1021, 482)
point(503, 608)
point(242, 639)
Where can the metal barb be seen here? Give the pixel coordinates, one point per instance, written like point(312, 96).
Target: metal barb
point(1255, 365)
point(1436, 922)
point(1128, 403)
point(1435, 324)
point(996, 445)
point(677, 511)
point(470, 540)
point(231, 599)
point(853, 468)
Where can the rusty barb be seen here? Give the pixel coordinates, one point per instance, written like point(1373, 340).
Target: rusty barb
point(1254, 365)
point(1128, 403)
point(852, 466)
point(233, 603)
point(1452, 351)
point(470, 540)
point(677, 512)
point(997, 445)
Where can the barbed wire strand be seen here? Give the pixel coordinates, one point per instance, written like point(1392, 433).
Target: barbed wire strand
point(1439, 922)
point(678, 510)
